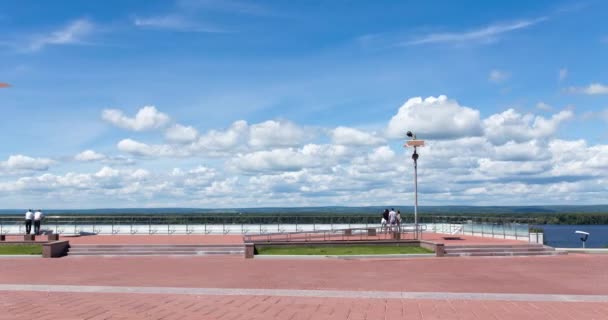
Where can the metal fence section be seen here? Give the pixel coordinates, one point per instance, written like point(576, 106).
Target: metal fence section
point(517, 228)
point(370, 233)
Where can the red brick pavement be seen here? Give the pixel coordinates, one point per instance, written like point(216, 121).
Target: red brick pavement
point(68, 306)
point(571, 274)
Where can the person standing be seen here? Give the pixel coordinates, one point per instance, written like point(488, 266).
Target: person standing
point(392, 216)
point(38, 216)
point(384, 221)
point(399, 220)
point(29, 216)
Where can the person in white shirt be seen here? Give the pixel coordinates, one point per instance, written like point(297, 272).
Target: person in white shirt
point(392, 217)
point(38, 216)
point(398, 218)
point(29, 216)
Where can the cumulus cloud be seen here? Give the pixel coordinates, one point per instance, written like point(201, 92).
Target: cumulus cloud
point(89, 155)
point(217, 140)
point(592, 89)
point(147, 118)
point(276, 134)
point(24, 163)
point(354, 137)
point(142, 149)
point(435, 118)
point(511, 125)
point(289, 159)
point(181, 134)
point(506, 158)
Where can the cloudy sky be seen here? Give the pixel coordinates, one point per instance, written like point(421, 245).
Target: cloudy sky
point(209, 103)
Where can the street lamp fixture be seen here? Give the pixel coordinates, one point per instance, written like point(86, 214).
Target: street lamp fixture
point(415, 143)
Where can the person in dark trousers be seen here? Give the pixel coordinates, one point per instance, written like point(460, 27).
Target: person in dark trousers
point(38, 216)
point(384, 222)
point(29, 216)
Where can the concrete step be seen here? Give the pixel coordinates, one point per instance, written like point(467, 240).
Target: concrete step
point(152, 248)
point(156, 253)
point(499, 249)
point(532, 245)
point(487, 254)
point(125, 250)
point(157, 245)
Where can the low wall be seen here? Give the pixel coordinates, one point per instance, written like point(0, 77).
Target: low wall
point(55, 249)
point(251, 248)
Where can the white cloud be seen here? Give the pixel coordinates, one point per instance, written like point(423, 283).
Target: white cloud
point(507, 158)
point(592, 89)
point(24, 163)
point(216, 140)
point(525, 151)
point(89, 155)
point(107, 172)
point(493, 168)
point(146, 118)
point(563, 74)
point(353, 137)
point(498, 76)
point(174, 23)
point(181, 134)
point(485, 34)
point(543, 106)
point(142, 149)
point(289, 159)
point(276, 134)
point(513, 126)
point(434, 118)
point(73, 33)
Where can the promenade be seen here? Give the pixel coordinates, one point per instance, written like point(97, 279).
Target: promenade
point(553, 287)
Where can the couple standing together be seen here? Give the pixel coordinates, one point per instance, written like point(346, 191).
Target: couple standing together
point(36, 217)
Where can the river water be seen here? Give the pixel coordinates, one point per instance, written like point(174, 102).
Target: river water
point(563, 236)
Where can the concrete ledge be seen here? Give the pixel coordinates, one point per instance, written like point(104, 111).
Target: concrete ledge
point(249, 250)
point(52, 237)
point(55, 249)
point(29, 237)
point(583, 250)
point(5, 256)
point(345, 257)
point(437, 248)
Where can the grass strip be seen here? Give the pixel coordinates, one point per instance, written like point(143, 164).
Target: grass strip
point(342, 250)
point(20, 249)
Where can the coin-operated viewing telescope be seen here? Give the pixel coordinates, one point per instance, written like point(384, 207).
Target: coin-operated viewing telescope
point(584, 236)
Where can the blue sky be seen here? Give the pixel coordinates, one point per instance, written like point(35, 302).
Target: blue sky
point(321, 87)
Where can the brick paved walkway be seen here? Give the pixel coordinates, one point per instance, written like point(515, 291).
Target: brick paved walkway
point(571, 274)
point(66, 306)
point(430, 285)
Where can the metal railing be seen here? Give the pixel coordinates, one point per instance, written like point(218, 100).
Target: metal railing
point(259, 224)
point(350, 234)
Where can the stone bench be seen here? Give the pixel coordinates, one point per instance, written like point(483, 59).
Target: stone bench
point(31, 237)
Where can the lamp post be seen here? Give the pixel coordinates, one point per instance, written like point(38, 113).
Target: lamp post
point(415, 143)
